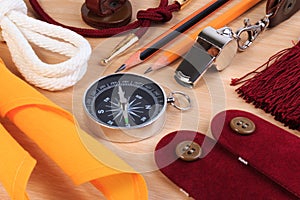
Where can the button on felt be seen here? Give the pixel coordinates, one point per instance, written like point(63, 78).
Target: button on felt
point(272, 151)
point(218, 173)
point(242, 125)
point(188, 150)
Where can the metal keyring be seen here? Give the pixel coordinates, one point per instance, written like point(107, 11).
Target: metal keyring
point(171, 99)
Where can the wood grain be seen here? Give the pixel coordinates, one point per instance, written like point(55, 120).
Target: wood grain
point(212, 94)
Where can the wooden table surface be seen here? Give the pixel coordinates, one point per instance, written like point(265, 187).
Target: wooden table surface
point(213, 94)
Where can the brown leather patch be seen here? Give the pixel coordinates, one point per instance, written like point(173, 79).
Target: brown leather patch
point(281, 10)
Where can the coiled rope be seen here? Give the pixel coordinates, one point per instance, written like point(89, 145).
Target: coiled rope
point(20, 30)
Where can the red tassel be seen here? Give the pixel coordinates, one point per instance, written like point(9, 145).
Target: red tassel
point(275, 87)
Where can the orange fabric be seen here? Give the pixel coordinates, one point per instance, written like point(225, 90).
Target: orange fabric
point(16, 166)
point(55, 131)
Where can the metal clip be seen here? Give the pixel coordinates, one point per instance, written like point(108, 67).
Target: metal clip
point(252, 31)
point(120, 48)
point(182, 3)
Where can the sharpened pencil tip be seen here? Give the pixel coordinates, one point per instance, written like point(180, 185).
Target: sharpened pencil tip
point(121, 68)
point(148, 70)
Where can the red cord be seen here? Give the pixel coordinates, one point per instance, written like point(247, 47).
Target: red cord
point(162, 13)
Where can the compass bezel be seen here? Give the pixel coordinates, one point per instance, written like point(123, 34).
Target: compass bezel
point(91, 112)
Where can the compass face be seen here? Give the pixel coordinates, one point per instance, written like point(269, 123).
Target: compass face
point(125, 100)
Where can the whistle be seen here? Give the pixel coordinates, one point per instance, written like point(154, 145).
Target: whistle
point(212, 48)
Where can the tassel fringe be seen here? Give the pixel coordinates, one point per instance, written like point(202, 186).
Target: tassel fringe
point(275, 86)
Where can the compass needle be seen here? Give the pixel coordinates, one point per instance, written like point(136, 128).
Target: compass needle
point(124, 105)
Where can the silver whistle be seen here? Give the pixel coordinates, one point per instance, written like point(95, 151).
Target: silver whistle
point(212, 48)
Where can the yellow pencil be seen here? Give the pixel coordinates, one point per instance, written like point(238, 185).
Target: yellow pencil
point(180, 48)
point(151, 48)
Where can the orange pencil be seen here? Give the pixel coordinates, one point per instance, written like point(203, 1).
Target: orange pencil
point(180, 48)
point(151, 48)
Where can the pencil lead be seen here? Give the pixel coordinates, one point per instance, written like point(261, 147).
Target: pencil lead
point(120, 68)
point(148, 70)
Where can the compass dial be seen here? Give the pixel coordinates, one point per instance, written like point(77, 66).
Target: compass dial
point(125, 100)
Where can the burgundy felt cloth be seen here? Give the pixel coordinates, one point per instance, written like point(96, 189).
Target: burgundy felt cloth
point(272, 172)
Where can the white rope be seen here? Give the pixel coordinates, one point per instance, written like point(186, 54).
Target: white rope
point(19, 31)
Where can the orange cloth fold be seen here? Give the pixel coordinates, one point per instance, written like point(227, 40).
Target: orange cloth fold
point(56, 133)
point(16, 166)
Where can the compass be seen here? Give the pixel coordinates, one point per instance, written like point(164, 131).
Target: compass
point(125, 107)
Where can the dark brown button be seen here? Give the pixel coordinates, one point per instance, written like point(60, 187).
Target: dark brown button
point(113, 18)
point(188, 150)
point(242, 125)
